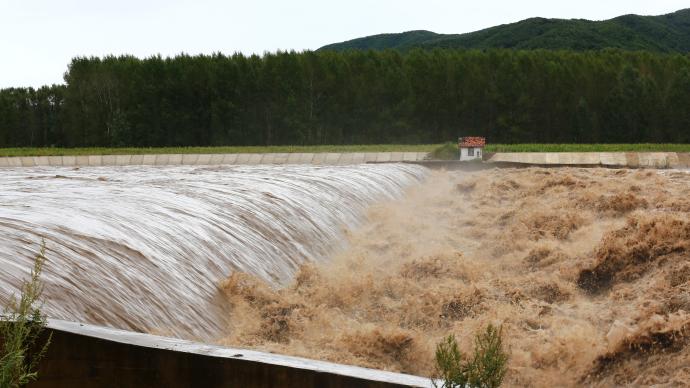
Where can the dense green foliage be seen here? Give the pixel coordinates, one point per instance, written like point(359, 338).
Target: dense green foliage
point(52, 151)
point(665, 33)
point(356, 97)
point(20, 329)
point(485, 369)
point(31, 117)
point(447, 151)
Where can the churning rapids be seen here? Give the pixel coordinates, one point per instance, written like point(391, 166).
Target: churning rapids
point(145, 248)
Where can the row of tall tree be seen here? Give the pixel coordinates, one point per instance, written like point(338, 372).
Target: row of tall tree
point(356, 97)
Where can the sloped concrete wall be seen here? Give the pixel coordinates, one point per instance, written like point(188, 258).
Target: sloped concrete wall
point(607, 159)
point(89, 356)
point(213, 159)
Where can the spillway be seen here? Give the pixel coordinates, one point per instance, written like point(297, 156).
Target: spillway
point(144, 248)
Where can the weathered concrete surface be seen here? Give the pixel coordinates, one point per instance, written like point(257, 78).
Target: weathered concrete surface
point(306, 158)
point(683, 159)
point(319, 158)
point(383, 157)
point(89, 356)
point(190, 159)
point(96, 160)
point(346, 159)
point(123, 160)
point(54, 160)
point(203, 159)
point(242, 158)
point(27, 161)
point(149, 160)
point(216, 159)
point(358, 158)
point(175, 159)
point(231, 158)
point(109, 160)
point(294, 158)
point(280, 158)
point(68, 160)
point(370, 157)
point(137, 160)
point(607, 159)
point(332, 158)
point(396, 156)
point(160, 160)
point(255, 158)
point(82, 160)
point(41, 161)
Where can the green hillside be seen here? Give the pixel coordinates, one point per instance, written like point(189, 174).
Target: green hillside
point(665, 33)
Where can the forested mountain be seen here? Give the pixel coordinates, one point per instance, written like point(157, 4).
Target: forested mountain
point(356, 97)
point(665, 33)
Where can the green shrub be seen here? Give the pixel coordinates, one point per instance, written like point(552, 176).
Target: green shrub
point(485, 369)
point(447, 151)
point(21, 325)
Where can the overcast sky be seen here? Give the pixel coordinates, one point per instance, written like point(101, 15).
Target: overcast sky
point(39, 37)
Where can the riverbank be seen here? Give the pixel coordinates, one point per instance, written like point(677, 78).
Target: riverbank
point(554, 159)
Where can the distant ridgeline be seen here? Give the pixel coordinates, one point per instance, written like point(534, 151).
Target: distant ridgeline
point(665, 33)
point(357, 97)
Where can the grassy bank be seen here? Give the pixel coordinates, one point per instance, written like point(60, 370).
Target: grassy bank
point(217, 150)
point(449, 151)
point(642, 147)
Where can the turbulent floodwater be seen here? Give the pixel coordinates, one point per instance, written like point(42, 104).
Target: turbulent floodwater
point(144, 248)
point(587, 271)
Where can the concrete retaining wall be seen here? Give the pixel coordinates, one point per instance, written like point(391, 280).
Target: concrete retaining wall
point(89, 356)
point(606, 159)
point(212, 159)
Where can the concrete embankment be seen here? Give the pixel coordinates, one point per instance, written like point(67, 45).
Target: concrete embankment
point(83, 355)
point(593, 159)
point(212, 159)
point(583, 159)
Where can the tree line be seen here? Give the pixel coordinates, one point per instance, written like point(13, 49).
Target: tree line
point(356, 97)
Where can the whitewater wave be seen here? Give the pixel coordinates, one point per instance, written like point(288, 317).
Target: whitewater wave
point(144, 248)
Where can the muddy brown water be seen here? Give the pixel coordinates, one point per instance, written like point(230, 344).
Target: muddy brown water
point(144, 248)
point(587, 271)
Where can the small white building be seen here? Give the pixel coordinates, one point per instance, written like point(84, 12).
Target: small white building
point(471, 147)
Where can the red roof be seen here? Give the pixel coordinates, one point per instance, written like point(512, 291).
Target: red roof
point(471, 141)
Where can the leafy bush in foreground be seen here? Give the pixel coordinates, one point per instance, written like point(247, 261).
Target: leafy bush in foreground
point(485, 369)
point(21, 325)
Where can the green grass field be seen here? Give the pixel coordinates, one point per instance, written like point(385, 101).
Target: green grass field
point(645, 147)
point(217, 150)
point(345, 148)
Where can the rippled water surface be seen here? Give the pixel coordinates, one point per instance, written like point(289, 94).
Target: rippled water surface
point(144, 248)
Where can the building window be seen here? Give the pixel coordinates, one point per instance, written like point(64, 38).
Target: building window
point(470, 152)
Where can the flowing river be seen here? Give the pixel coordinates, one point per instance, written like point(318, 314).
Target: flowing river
point(144, 248)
